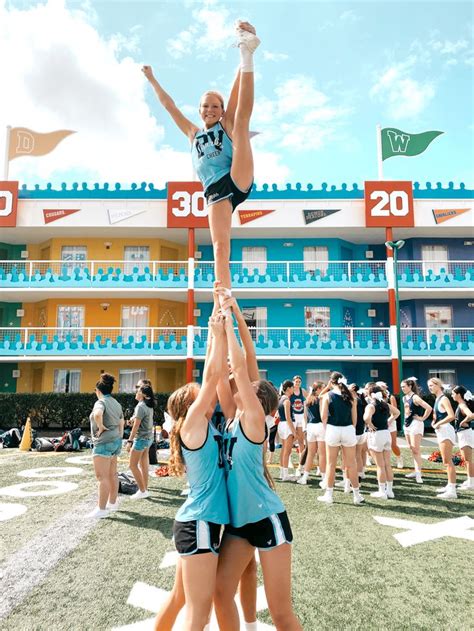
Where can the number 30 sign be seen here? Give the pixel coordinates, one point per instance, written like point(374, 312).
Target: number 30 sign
point(186, 205)
point(389, 205)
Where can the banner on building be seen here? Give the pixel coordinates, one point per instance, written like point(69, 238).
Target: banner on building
point(445, 214)
point(121, 214)
point(247, 216)
point(53, 214)
point(26, 142)
point(186, 206)
point(389, 204)
point(8, 204)
point(314, 214)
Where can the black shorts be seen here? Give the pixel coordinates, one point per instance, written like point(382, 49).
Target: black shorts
point(226, 189)
point(196, 537)
point(264, 534)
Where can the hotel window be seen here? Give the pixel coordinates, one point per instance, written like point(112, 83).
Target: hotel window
point(129, 377)
point(434, 258)
point(439, 321)
point(67, 380)
point(316, 375)
point(263, 374)
point(70, 317)
point(256, 320)
point(447, 375)
point(134, 320)
point(135, 254)
point(315, 258)
point(255, 258)
point(74, 255)
point(317, 321)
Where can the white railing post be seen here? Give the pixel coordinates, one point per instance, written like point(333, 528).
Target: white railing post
point(152, 337)
point(289, 340)
point(26, 338)
point(92, 272)
point(153, 271)
point(30, 273)
point(88, 338)
point(351, 336)
point(349, 271)
point(288, 280)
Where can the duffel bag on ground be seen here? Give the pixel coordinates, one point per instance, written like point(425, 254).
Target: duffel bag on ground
point(127, 484)
point(42, 444)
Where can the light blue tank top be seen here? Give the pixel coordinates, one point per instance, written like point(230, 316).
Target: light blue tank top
point(207, 499)
point(250, 497)
point(211, 153)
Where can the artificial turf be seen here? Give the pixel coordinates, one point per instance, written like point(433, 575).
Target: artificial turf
point(349, 572)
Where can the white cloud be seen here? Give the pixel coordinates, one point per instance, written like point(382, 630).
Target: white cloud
point(448, 47)
point(60, 73)
point(402, 95)
point(268, 56)
point(211, 33)
point(349, 16)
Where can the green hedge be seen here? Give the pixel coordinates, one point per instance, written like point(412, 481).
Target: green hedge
point(55, 409)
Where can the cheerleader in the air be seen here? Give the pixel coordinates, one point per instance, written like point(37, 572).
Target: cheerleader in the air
point(220, 148)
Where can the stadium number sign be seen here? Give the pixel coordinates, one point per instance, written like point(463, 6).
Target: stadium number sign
point(186, 205)
point(8, 204)
point(389, 204)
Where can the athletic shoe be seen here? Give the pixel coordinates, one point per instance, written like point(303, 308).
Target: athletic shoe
point(358, 499)
point(362, 476)
point(347, 486)
point(302, 480)
point(113, 507)
point(323, 484)
point(98, 513)
point(448, 495)
point(140, 495)
point(368, 461)
point(400, 462)
point(318, 472)
point(380, 495)
point(419, 479)
point(297, 473)
point(411, 475)
point(245, 38)
point(341, 484)
point(288, 478)
point(442, 489)
point(390, 495)
point(326, 498)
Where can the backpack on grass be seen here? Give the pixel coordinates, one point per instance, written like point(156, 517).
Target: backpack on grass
point(127, 484)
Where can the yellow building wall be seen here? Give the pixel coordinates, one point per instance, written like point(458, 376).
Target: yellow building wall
point(97, 250)
point(39, 376)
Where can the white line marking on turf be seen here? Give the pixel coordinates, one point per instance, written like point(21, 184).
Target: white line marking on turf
point(29, 566)
point(9, 511)
point(23, 490)
point(418, 532)
point(169, 559)
point(150, 598)
point(50, 472)
point(80, 459)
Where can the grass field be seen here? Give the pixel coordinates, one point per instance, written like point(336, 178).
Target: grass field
point(349, 571)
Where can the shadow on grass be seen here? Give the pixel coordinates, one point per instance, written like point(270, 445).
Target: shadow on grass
point(151, 522)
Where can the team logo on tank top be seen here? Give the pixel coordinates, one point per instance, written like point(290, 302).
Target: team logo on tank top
point(226, 447)
point(298, 407)
point(203, 140)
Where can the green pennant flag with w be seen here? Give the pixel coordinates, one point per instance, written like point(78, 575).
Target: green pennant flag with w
point(399, 143)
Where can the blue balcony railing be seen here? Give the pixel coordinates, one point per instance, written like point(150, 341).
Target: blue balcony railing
point(278, 342)
point(449, 274)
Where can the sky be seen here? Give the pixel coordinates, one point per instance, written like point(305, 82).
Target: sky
point(326, 74)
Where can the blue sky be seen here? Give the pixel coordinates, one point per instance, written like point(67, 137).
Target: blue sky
point(326, 74)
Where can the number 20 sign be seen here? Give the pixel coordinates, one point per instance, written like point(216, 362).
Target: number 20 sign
point(186, 205)
point(389, 204)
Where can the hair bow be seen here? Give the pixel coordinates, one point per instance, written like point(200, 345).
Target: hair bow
point(378, 396)
point(468, 396)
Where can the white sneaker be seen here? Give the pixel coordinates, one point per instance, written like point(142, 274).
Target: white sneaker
point(288, 478)
point(302, 480)
point(297, 473)
point(400, 462)
point(140, 495)
point(326, 498)
point(419, 479)
point(448, 495)
point(347, 486)
point(323, 484)
point(113, 507)
point(318, 472)
point(98, 513)
point(464, 485)
point(411, 475)
point(390, 495)
point(380, 495)
point(245, 38)
point(442, 489)
point(368, 461)
point(340, 484)
point(358, 499)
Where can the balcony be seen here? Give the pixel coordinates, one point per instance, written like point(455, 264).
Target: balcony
point(277, 343)
point(445, 274)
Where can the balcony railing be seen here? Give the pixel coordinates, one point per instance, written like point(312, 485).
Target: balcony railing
point(435, 273)
point(290, 342)
point(258, 274)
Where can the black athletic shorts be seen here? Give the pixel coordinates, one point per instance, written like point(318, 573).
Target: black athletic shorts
point(226, 189)
point(264, 534)
point(196, 537)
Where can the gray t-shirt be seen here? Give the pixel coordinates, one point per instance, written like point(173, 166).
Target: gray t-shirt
point(145, 414)
point(112, 415)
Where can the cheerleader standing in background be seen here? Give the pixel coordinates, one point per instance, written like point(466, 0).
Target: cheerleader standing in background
point(464, 420)
point(286, 429)
point(314, 433)
point(339, 416)
point(297, 400)
point(377, 416)
point(416, 413)
point(361, 434)
point(392, 428)
point(443, 416)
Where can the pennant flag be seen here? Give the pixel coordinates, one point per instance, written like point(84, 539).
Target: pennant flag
point(314, 215)
point(246, 216)
point(442, 215)
point(399, 143)
point(119, 215)
point(51, 215)
point(26, 142)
